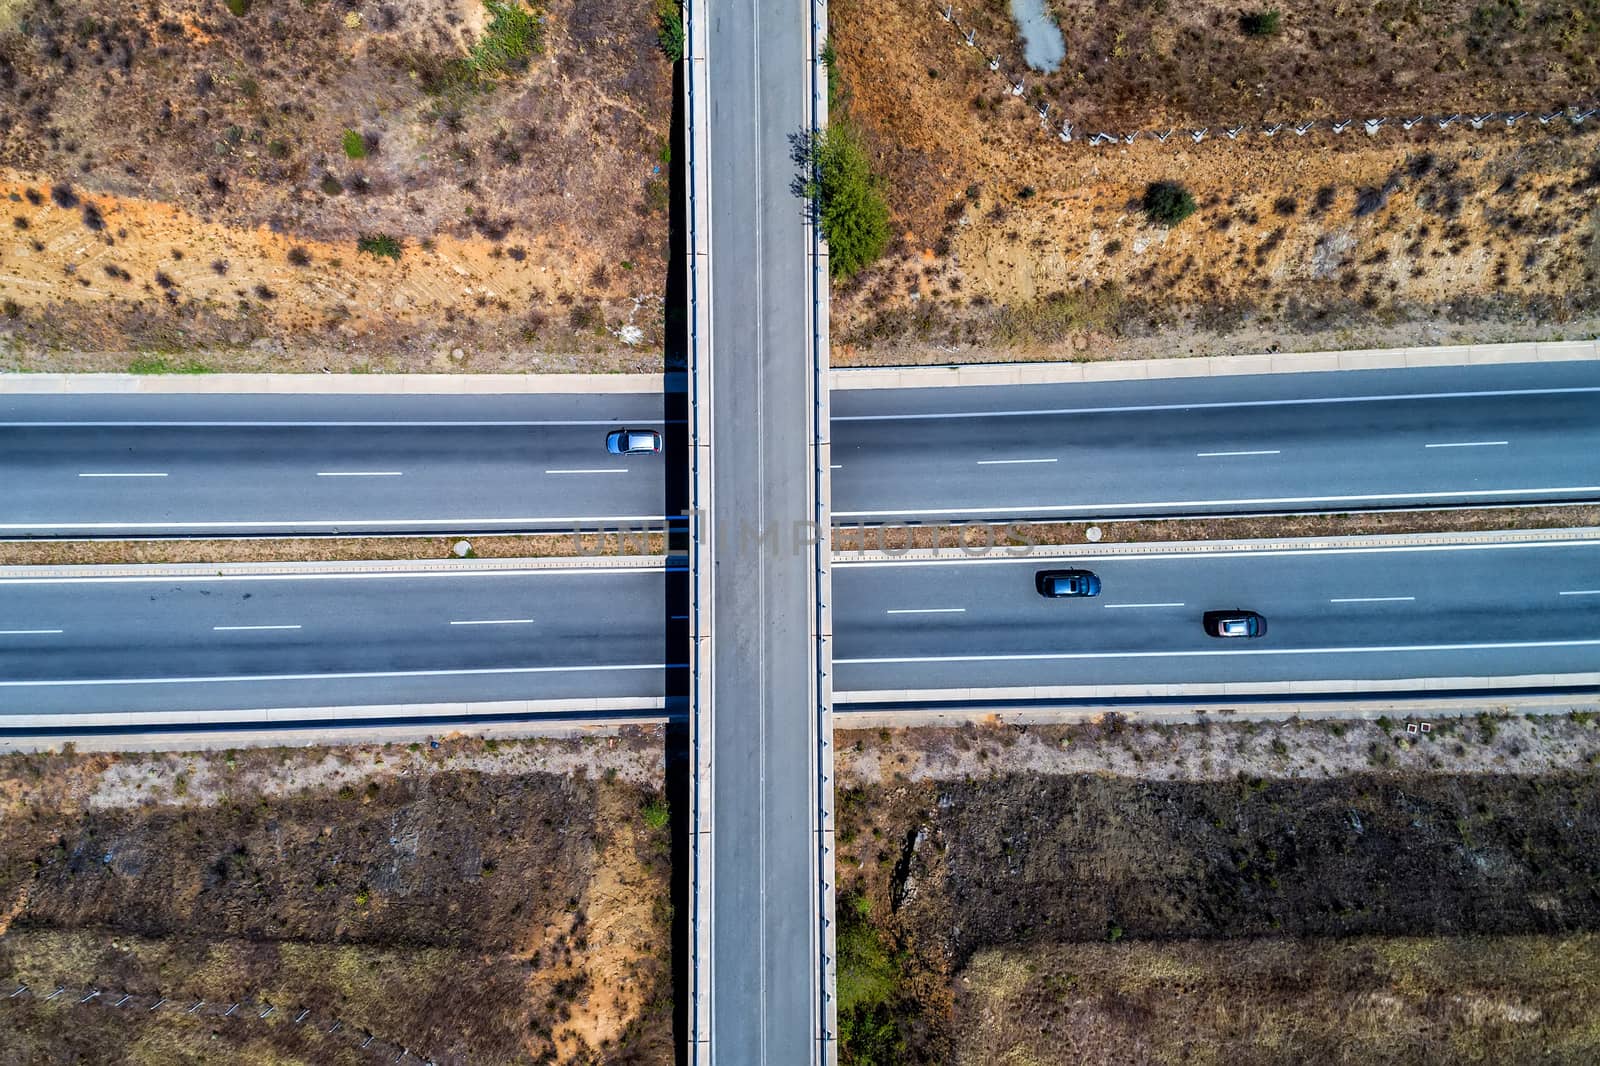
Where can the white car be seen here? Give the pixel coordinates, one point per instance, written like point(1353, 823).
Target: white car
point(632, 441)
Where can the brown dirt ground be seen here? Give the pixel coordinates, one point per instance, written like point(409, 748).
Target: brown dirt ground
point(477, 902)
point(1014, 246)
point(975, 853)
point(209, 148)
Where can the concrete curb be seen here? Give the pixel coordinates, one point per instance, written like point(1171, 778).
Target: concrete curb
point(403, 567)
point(1050, 373)
point(330, 384)
point(1213, 692)
point(1042, 552)
point(1365, 709)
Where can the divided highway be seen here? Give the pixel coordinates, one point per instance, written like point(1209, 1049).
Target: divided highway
point(77, 645)
point(167, 465)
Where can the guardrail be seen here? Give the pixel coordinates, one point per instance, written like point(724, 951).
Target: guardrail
point(701, 531)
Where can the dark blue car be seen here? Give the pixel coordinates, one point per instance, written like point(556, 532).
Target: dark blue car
point(1062, 583)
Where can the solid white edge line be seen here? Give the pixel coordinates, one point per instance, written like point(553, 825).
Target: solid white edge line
point(494, 622)
point(1581, 592)
point(1014, 462)
point(1062, 552)
point(120, 475)
point(1055, 656)
point(1374, 599)
point(352, 675)
point(1077, 508)
point(1214, 455)
point(360, 473)
point(29, 632)
point(1470, 444)
point(926, 610)
point(1217, 405)
point(327, 424)
point(247, 629)
point(1117, 606)
point(136, 579)
point(337, 523)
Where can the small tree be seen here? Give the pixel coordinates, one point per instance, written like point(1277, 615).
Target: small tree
point(1167, 203)
point(669, 29)
point(1260, 23)
point(837, 178)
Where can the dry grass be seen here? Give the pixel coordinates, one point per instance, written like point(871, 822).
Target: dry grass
point(1369, 1000)
point(479, 901)
point(1014, 246)
point(186, 180)
point(330, 549)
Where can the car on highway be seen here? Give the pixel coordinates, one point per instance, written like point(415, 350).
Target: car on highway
point(632, 441)
point(1059, 584)
point(1234, 624)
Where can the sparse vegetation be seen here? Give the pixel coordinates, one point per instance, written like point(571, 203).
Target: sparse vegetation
point(1263, 23)
point(514, 35)
point(161, 364)
point(355, 145)
point(381, 245)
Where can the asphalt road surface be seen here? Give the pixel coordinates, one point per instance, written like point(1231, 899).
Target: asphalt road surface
point(765, 928)
point(102, 645)
point(198, 464)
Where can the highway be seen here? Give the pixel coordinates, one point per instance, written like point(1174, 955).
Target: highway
point(104, 465)
point(339, 638)
point(109, 645)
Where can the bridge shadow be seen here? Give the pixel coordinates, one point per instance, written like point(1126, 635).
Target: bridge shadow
point(676, 448)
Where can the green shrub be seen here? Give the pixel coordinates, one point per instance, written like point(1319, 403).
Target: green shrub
point(830, 63)
point(868, 987)
point(1260, 23)
point(381, 245)
point(355, 145)
point(514, 34)
point(657, 814)
point(669, 29)
point(849, 204)
point(239, 7)
point(1167, 203)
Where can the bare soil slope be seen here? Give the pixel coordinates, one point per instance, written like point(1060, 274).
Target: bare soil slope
point(1015, 245)
point(180, 176)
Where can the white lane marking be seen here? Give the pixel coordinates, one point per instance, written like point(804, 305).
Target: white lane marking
point(1581, 592)
point(1013, 462)
point(836, 466)
point(1090, 508)
point(1024, 556)
point(331, 424)
point(494, 622)
point(344, 523)
point(122, 475)
point(1219, 405)
point(1052, 656)
point(926, 610)
point(168, 579)
point(247, 629)
point(606, 470)
point(1374, 599)
point(1215, 455)
point(1118, 606)
point(29, 632)
point(351, 675)
point(360, 473)
point(1470, 444)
